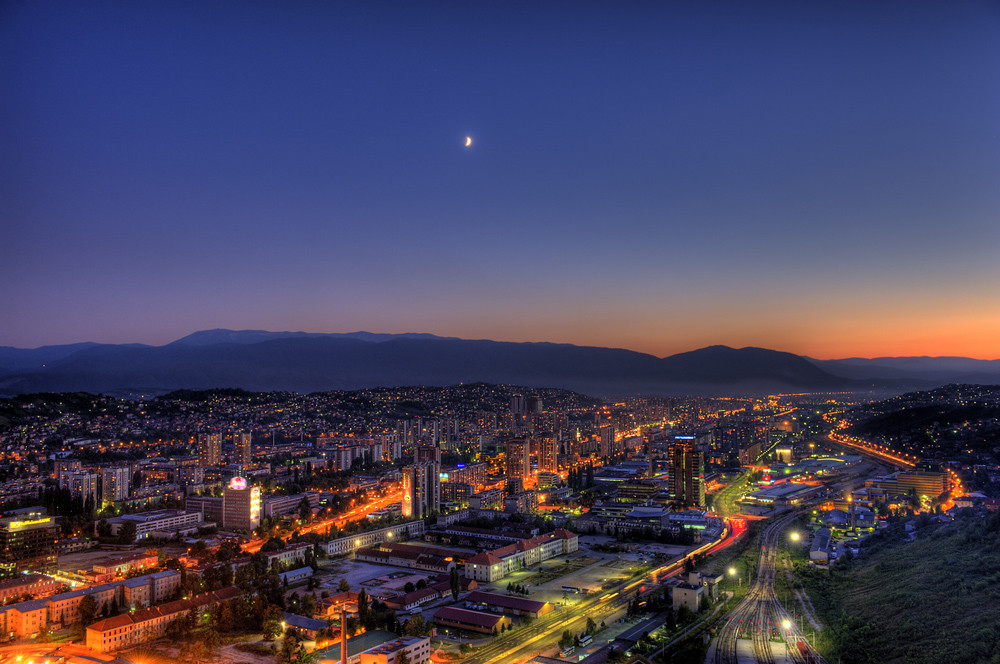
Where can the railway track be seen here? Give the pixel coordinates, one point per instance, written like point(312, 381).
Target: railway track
point(759, 615)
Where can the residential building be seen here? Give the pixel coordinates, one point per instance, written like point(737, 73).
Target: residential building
point(421, 490)
point(524, 502)
point(548, 453)
point(145, 625)
point(209, 450)
point(116, 481)
point(490, 499)
point(81, 484)
point(37, 586)
point(687, 474)
point(518, 461)
point(242, 448)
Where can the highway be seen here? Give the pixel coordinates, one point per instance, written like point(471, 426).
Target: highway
point(759, 616)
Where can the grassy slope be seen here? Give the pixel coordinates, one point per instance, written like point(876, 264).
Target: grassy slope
point(933, 600)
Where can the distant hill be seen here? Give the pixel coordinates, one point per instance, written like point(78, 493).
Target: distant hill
point(304, 362)
point(915, 372)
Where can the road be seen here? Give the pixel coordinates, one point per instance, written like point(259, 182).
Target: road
point(606, 606)
point(339, 521)
point(759, 616)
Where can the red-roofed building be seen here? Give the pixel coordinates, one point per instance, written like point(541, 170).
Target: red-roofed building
point(131, 629)
point(473, 621)
point(514, 606)
point(494, 565)
point(36, 585)
point(410, 601)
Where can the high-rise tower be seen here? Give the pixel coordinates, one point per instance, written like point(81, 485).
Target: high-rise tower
point(686, 483)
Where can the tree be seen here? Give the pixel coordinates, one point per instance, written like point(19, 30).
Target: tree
point(103, 528)
point(126, 534)
point(345, 586)
point(87, 610)
point(363, 608)
point(193, 651)
point(591, 625)
point(289, 648)
point(455, 584)
point(273, 544)
point(402, 657)
point(177, 629)
point(566, 640)
point(415, 626)
point(409, 587)
point(271, 626)
point(305, 509)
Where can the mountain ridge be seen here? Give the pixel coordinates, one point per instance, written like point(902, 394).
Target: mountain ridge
point(312, 362)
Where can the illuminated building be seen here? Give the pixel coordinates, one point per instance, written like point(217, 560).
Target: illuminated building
point(421, 490)
point(491, 499)
point(473, 473)
point(608, 446)
point(243, 448)
point(548, 453)
point(27, 540)
point(547, 480)
point(115, 483)
point(81, 485)
point(240, 505)
point(518, 463)
point(209, 450)
point(428, 453)
point(687, 474)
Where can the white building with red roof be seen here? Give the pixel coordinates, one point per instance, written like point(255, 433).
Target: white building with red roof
point(494, 565)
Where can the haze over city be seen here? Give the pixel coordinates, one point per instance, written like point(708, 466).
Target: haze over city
point(818, 178)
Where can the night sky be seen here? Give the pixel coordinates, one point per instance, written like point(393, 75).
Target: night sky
point(816, 177)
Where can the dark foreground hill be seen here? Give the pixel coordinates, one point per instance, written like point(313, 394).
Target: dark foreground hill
point(927, 601)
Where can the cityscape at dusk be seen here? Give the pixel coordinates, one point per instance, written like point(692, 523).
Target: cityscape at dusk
point(499, 332)
point(817, 178)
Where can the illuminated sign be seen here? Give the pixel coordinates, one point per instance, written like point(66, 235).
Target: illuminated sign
point(21, 524)
point(238, 483)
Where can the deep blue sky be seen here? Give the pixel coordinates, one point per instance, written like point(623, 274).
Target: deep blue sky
point(816, 177)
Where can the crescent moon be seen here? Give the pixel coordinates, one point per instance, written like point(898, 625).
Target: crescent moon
point(468, 141)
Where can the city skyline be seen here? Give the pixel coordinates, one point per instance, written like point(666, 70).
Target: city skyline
point(814, 179)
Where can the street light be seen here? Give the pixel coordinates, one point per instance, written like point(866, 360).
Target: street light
point(733, 572)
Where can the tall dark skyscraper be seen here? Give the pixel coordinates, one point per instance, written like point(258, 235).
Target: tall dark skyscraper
point(686, 483)
point(421, 489)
